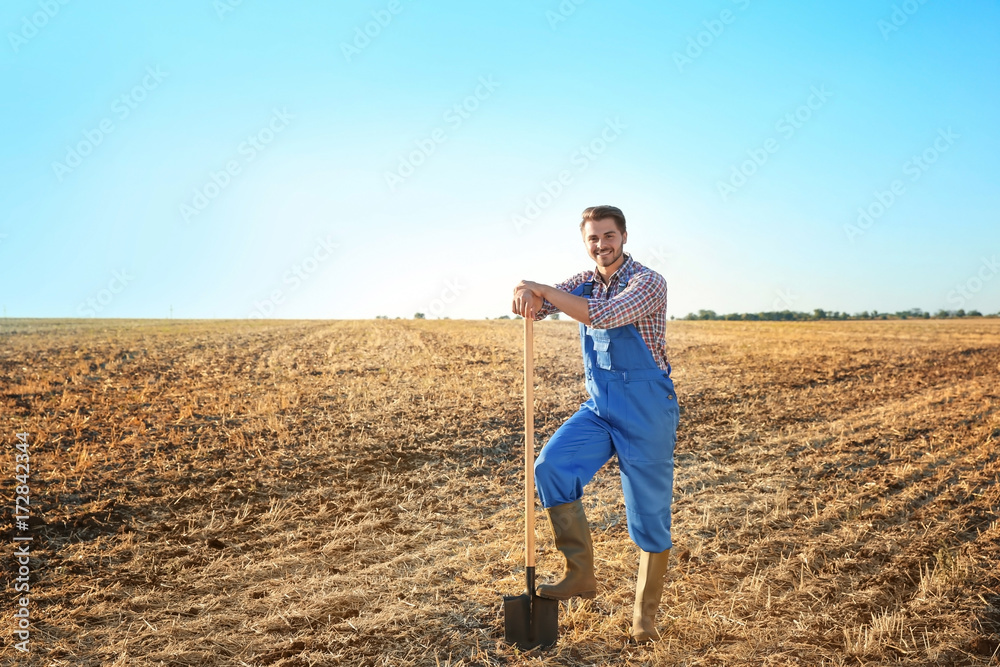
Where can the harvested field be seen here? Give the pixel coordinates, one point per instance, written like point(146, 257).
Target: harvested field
point(348, 493)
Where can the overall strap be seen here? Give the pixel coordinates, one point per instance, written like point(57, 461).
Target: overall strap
point(588, 288)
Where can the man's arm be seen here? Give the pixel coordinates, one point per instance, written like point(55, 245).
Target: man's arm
point(540, 306)
point(529, 297)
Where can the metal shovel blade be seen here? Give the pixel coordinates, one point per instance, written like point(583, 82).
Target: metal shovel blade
point(530, 621)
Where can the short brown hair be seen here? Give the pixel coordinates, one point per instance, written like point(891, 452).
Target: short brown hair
point(595, 213)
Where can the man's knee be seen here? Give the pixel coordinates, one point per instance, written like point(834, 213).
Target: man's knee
point(556, 481)
point(545, 470)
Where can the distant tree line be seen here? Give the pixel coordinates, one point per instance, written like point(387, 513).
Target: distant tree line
point(820, 314)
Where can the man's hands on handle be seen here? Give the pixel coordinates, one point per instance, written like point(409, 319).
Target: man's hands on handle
point(529, 297)
point(526, 302)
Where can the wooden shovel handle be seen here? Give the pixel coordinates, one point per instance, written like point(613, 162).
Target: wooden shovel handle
point(529, 444)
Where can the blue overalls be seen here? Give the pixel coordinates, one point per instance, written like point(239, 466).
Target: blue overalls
point(632, 412)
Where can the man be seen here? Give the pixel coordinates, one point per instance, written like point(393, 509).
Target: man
point(632, 412)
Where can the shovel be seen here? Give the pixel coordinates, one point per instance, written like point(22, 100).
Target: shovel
point(528, 620)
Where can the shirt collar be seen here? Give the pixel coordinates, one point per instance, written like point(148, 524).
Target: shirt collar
point(624, 270)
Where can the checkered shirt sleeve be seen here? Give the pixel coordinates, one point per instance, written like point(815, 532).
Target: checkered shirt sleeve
point(645, 293)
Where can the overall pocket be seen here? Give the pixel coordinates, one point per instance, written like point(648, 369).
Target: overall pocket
point(602, 352)
point(652, 415)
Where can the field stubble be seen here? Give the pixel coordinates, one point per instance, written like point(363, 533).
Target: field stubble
point(320, 493)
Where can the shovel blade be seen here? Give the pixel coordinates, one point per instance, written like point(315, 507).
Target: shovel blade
point(530, 621)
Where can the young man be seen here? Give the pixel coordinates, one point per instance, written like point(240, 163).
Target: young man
point(632, 412)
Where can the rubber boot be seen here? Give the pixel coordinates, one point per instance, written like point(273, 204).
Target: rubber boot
point(572, 534)
point(648, 590)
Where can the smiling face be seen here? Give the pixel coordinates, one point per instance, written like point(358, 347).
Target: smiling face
point(604, 244)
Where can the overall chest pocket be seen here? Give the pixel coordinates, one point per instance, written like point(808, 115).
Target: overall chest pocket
point(602, 352)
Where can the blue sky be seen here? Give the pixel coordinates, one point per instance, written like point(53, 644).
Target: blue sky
point(223, 159)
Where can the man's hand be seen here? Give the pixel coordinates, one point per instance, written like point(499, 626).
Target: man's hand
point(527, 299)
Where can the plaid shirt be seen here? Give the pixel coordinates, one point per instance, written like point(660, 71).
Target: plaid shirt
point(642, 302)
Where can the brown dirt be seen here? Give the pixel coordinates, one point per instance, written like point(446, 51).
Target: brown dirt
point(347, 493)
